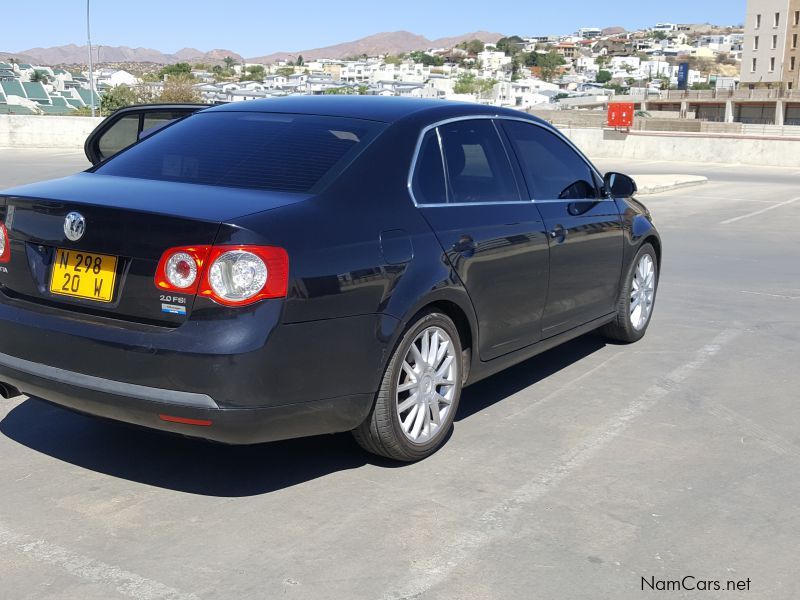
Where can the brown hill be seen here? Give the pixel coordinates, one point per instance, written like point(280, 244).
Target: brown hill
point(395, 42)
point(78, 55)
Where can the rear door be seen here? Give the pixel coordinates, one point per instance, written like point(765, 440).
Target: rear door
point(584, 227)
point(466, 187)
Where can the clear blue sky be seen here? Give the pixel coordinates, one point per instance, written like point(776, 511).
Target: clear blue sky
point(255, 28)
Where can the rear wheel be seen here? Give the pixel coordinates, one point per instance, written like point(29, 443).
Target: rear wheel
point(637, 298)
point(418, 398)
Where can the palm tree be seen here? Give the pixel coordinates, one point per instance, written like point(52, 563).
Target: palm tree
point(228, 62)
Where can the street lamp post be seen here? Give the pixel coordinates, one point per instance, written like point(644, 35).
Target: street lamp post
point(91, 69)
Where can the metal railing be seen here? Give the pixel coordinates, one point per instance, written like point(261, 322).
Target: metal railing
point(726, 94)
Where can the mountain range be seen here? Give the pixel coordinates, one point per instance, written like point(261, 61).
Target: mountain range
point(394, 42)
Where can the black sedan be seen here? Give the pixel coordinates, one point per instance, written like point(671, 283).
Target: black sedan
point(282, 268)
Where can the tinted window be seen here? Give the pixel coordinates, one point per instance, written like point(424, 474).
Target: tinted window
point(252, 150)
point(553, 170)
point(122, 134)
point(477, 164)
point(428, 183)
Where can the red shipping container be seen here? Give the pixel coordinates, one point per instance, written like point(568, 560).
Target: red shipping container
point(620, 114)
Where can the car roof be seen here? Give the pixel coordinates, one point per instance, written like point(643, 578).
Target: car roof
point(374, 108)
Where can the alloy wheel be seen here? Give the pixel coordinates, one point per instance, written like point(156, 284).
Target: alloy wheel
point(643, 289)
point(426, 385)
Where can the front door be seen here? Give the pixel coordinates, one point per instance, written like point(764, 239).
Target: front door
point(584, 228)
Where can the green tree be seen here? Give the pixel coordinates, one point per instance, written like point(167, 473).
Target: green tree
point(176, 70)
point(472, 46)
point(300, 61)
point(285, 71)
point(529, 59)
point(468, 83)
point(426, 59)
point(511, 45)
point(179, 89)
point(393, 60)
point(118, 97)
point(257, 72)
point(603, 77)
point(549, 64)
point(229, 62)
point(40, 77)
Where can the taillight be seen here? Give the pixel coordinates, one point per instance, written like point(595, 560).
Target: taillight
point(5, 245)
point(179, 269)
point(242, 275)
point(228, 275)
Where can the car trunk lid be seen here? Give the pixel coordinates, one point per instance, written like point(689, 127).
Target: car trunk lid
point(129, 223)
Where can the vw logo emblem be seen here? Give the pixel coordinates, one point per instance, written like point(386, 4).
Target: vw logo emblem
point(74, 226)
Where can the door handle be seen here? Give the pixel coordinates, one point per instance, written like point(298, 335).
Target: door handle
point(558, 233)
point(466, 246)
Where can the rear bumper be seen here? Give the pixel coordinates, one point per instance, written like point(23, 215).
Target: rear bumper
point(146, 406)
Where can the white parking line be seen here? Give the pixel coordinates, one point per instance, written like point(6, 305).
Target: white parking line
point(431, 571)
point(759, 212)
point(89, 569)
point(780, 296)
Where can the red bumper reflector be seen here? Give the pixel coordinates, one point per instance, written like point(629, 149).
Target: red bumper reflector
point(185, 421)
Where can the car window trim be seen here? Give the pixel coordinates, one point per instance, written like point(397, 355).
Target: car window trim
point(493, 118)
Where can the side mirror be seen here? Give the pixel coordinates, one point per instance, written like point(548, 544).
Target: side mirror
point(618, 185)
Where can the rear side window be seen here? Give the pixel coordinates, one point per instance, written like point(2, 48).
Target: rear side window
point(293, 153)
point(552, 169)
point(478, 168)
point(428, 184)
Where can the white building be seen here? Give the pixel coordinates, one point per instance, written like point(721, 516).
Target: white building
point(492, 60)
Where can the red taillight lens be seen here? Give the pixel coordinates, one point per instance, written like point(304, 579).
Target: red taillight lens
point(5, 245)
point(180, 269)
point(228, 275)
point(242, 275)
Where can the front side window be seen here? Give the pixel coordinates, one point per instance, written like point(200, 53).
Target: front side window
point(552, 169)
point(266, 151)
point(478, 167)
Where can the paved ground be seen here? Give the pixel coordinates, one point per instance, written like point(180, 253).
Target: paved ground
point(573, 475)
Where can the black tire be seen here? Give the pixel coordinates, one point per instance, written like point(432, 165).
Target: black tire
point(381, 432)
point(621, 329)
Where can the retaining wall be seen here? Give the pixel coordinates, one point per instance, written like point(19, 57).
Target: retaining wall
point(21, 131)
point(38, 131)
point(701, 148)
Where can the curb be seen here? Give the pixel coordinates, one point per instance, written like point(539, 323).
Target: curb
point(649, 190)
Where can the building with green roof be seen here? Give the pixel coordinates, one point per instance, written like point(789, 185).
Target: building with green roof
point(13, 88)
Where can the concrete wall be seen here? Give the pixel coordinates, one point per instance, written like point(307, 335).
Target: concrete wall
point(599, 143)
point(18, 131)
point(36, 131)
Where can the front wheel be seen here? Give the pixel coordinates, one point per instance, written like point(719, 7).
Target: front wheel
point(418, 398)
point(637, 298)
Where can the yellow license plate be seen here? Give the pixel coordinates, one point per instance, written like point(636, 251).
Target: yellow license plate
point(84, 275)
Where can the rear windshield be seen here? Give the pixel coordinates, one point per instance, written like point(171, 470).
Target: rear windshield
point(292, 153)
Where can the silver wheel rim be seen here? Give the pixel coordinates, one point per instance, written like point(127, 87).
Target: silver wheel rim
point(426, 385)
point(643, 292)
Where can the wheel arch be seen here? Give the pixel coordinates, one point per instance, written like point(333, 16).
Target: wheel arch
point(458, 308)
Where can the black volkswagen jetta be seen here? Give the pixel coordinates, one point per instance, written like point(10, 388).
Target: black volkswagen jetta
point(282, 268)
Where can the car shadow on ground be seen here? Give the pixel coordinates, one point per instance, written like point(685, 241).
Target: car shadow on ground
point(205, 468)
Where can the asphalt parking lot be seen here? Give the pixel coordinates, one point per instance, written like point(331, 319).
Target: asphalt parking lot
point(573, 475)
